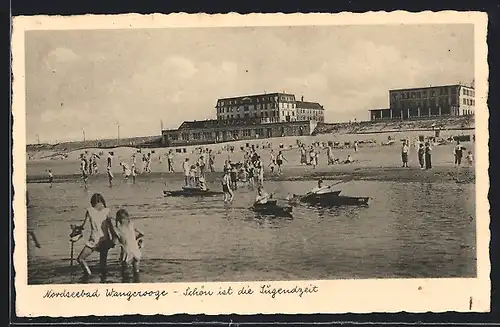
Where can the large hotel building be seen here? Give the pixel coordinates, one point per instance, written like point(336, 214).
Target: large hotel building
point(433, 101)
point(250, 117)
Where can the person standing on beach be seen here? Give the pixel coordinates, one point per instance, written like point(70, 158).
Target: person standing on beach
point(202, 166)
point(100, 239)
point(458, 153)
point(404, 153)
point(83, 171)
point(329, 154)
point(313, 158)
point(226, 187)
point(355, 146)
point(279, 161)
point(170, 162)
point(421, 155)
point(148, 162)
point(186, 167)
point(211, 160)
point(303, 155)
point(233, 174)
point(428, 156)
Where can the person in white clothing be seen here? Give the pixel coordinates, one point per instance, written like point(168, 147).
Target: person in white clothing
point(100, 238)
point(186, 167)
point(320, 189)
point(130, 240)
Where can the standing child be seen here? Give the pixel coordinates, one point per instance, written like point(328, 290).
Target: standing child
point(470, 158)
point(130, 240)
point(100, 239)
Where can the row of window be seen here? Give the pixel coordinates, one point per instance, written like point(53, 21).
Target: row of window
point(469, 92)
point(423, 93)
point(264, 114)
point(257, 107)
point(469, 102)
point(262, 99)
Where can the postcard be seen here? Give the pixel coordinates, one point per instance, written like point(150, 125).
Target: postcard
point(250, 164)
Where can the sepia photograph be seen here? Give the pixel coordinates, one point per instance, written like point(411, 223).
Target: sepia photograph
point(257, 153)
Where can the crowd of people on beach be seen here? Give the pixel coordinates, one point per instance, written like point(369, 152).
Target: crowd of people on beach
point(424, 154)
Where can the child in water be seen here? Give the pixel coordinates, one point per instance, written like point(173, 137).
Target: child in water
point(100, 239)
point(470, 158)
point(130, 240)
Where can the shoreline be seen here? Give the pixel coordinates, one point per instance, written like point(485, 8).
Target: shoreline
point(306, 173)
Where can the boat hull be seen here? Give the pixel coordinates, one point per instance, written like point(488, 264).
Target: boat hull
point(334, 199)
point(272, 209)
point(192, 193)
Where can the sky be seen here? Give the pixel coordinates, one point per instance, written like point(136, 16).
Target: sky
point(94, 80)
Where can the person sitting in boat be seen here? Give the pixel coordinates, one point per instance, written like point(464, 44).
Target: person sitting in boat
point(320, 189)
point(349, 159)
point(262, 196)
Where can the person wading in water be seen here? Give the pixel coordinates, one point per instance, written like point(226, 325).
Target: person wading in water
point(100, 239)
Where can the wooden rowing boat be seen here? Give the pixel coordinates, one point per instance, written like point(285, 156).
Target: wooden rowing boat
point(271, 208)
point(332, 199)
point(191, 191)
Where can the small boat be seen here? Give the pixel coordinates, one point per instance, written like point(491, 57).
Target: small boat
point(332, 199)
point(273, 209)
point(191, 191)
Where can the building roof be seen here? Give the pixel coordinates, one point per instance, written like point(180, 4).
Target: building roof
point(197, 124)
point(431, 87)
point(251, 96)
point(308, 105)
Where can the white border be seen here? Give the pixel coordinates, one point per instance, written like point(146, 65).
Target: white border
point(338, 296)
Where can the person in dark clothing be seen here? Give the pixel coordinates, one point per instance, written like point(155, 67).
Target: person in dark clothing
point(458, 154)
point(428, 156)
point(421, 154)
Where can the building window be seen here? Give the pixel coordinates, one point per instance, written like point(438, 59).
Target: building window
point(464, 102)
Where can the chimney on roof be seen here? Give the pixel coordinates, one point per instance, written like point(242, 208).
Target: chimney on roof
point(302, 98)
